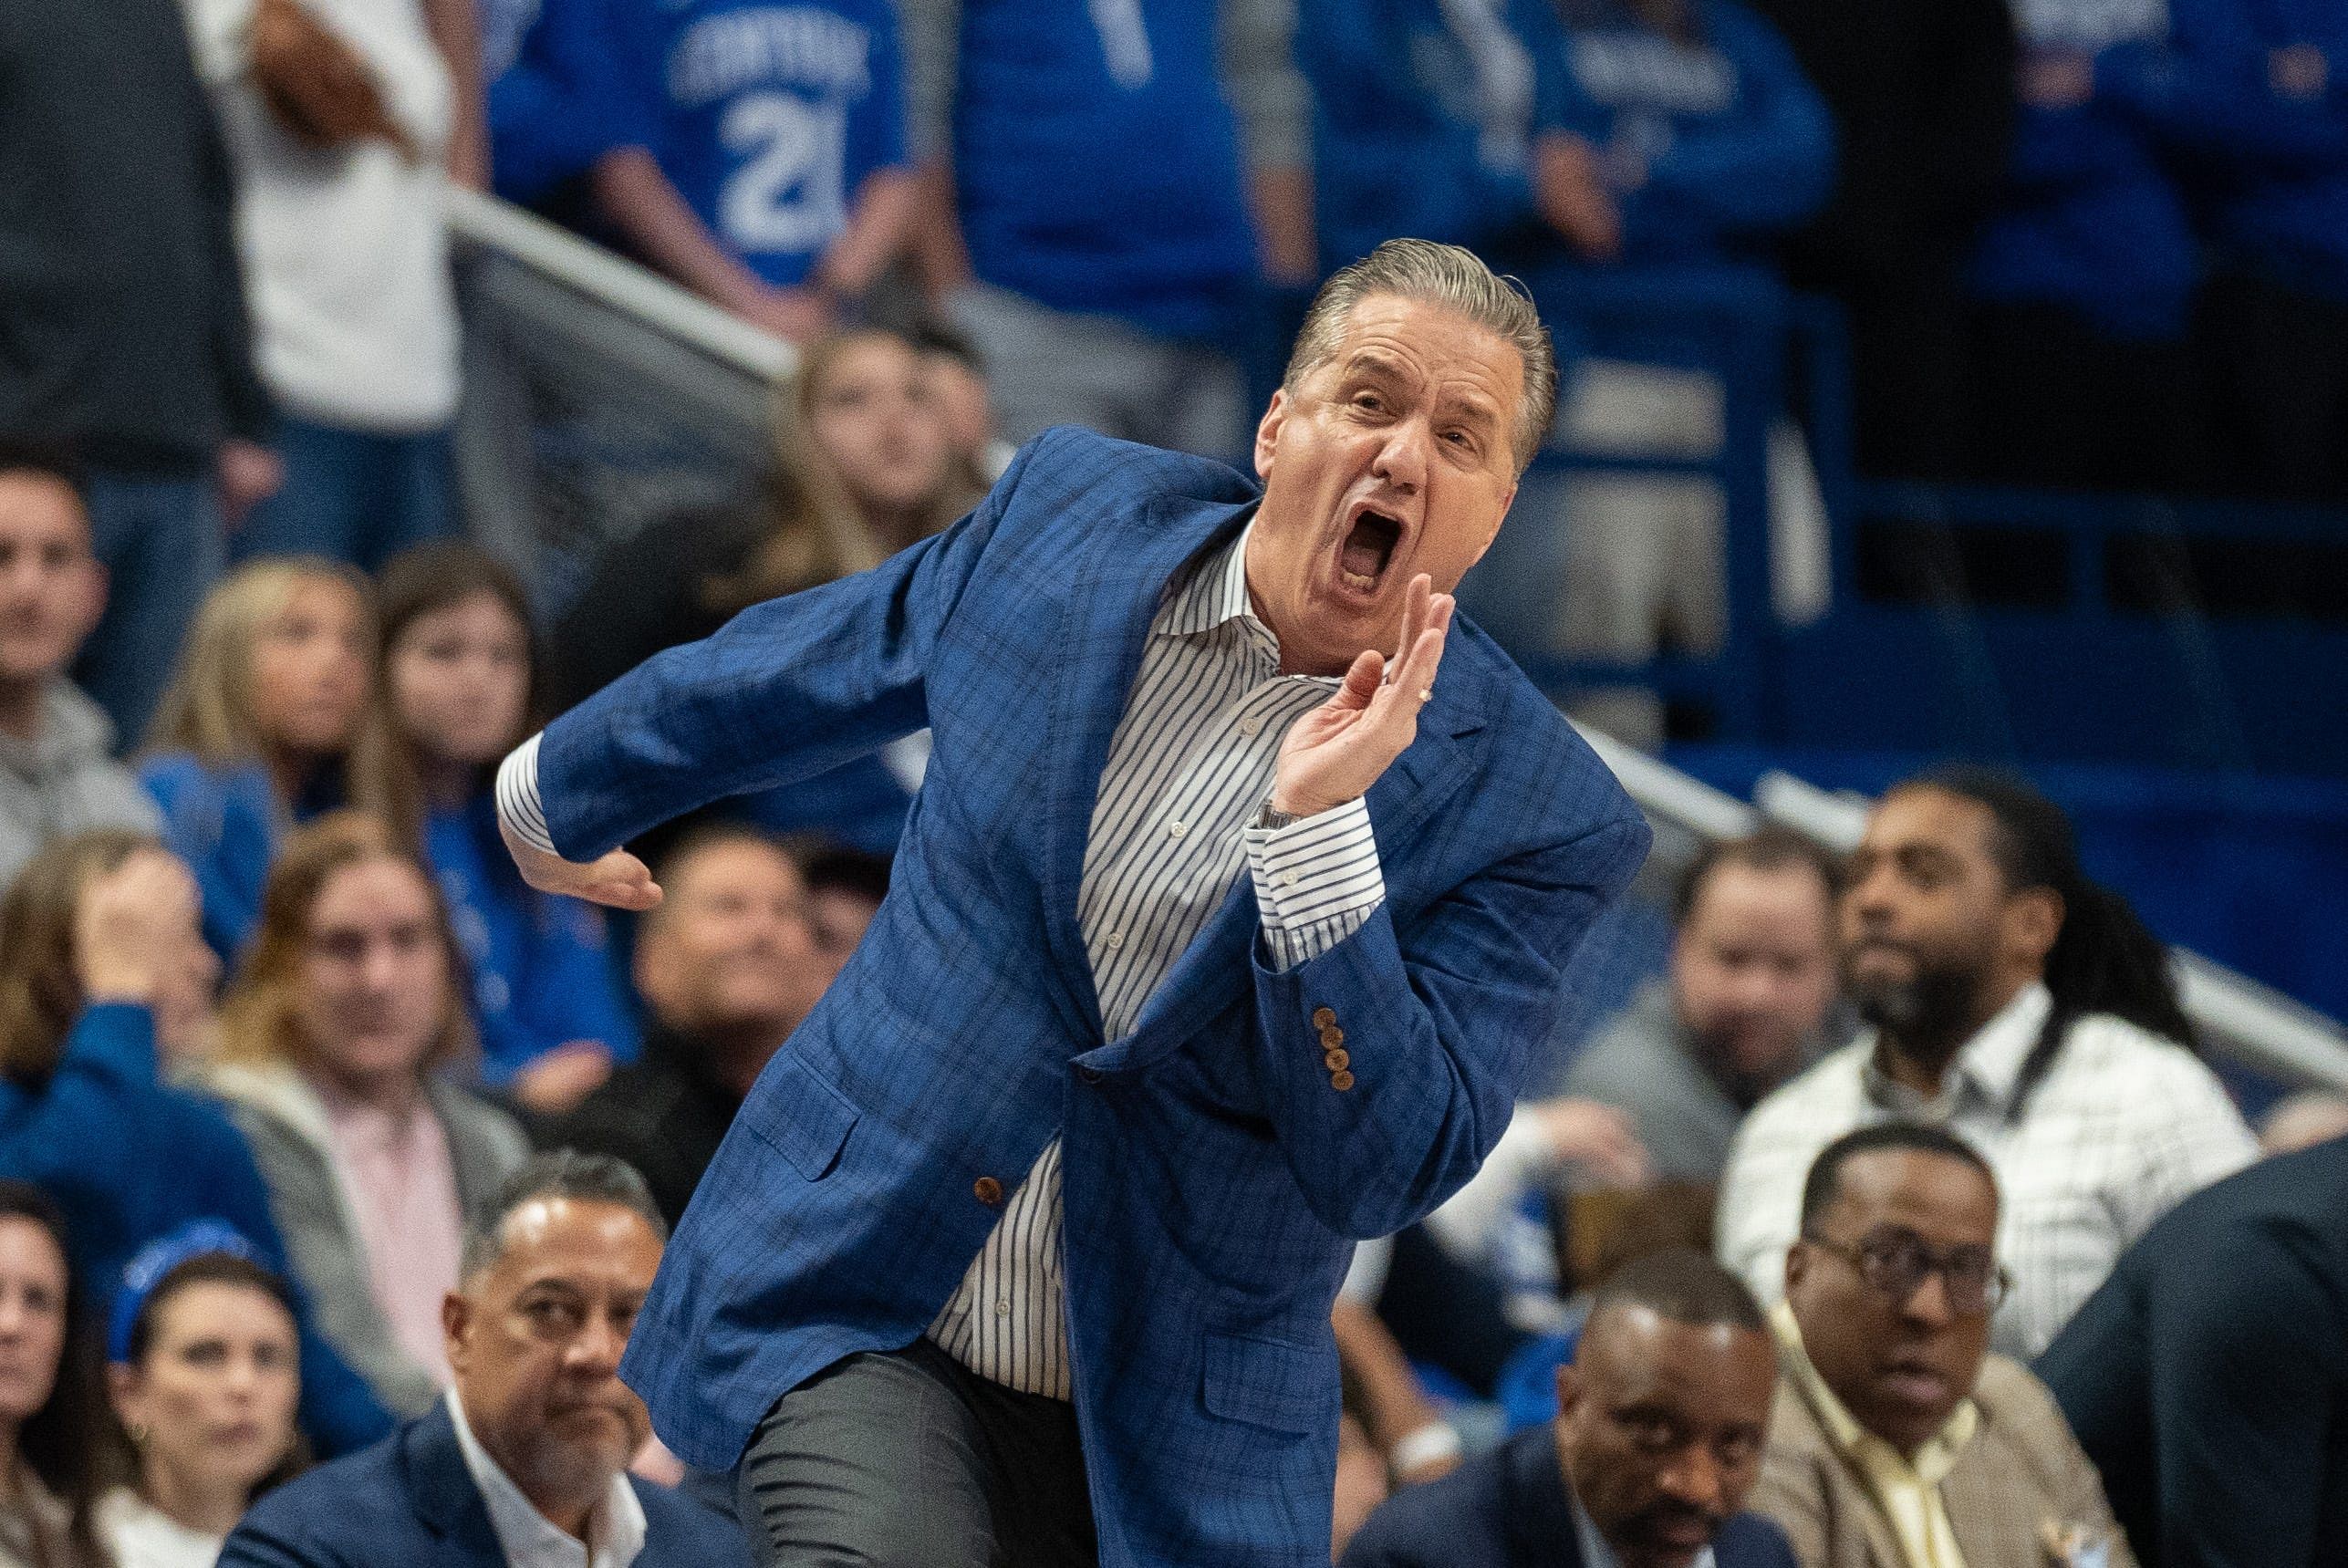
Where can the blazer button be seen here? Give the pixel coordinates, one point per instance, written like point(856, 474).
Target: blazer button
point(988, 1190)
point(1332, 1037)
point(1335, 1060)
point(1341, 1080)
point(1322, 1017)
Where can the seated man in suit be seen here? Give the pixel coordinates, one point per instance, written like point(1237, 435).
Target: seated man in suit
point(524, 1462)
point(1658, 1438)
point(2208, 1378)
point(1899, 1441)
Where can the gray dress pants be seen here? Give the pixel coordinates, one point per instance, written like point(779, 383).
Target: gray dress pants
point(909, 1460)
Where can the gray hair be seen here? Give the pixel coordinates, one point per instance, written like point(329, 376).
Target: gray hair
point(558, 1173)
point(1448, 276)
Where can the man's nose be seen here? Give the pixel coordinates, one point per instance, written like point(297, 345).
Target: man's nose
point(1928, 1302)
point(599, 1346)
point(1401, 462)
point(1693, 1478)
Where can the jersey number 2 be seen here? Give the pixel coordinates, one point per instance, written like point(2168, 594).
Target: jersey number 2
point(787, 195)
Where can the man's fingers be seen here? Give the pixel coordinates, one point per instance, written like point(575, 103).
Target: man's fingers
point(1415, 599)
point(1362, 680)
point(623, 881)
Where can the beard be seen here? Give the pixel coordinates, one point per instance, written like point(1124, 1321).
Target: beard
point(1933, 1004)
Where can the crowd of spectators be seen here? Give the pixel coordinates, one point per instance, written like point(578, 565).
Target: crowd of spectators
point(1771, 1265)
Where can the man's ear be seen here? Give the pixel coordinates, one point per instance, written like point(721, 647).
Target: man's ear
point(456, 1329)
point(2033, 919)
point(1569, 1390)
point(1797, 1267)
point(1267, 432)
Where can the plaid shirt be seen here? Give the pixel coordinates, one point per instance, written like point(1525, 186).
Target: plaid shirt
point(2123, 1126)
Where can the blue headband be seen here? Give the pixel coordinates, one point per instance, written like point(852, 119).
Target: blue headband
point(196, 1239)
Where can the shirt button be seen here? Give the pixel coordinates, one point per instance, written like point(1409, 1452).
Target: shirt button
point(988, 1190)
point(1114, 940)
point(1176, 830)
point(1251, 726)
point(1003, 1308)
point(1288, 879)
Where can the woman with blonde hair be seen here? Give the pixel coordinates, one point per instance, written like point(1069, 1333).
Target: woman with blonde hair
point(271, 694)
point(347, 1002)
point(105, 982)
point(864, 466)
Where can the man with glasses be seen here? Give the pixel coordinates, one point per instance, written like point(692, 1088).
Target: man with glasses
point(1898, 1440)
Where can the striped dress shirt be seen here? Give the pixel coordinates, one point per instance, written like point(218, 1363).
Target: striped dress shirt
point(1189, 768)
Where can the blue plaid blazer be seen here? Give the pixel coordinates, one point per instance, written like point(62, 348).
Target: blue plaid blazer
point(1215, 1178)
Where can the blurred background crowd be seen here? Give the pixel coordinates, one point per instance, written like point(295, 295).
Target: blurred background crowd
point(1943, 378)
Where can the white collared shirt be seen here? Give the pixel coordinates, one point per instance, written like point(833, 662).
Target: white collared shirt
point(2123, 1126)
point(615, 1527)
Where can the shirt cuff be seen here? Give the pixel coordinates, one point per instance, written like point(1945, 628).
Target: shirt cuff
point(1317, 882)
point(518, 806)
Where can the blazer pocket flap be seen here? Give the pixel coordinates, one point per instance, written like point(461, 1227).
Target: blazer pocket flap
point(798, 1115)
point(1269, 1383)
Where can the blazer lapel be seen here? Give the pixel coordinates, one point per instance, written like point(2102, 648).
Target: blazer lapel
point(446, 1498)
point(1117, 593)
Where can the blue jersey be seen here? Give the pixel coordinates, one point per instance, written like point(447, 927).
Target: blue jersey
point(766, 116)
point(1732, 143)
point(1096, 161)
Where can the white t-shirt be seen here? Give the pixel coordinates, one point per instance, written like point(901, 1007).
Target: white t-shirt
point(140, 1536)
point(345, 251)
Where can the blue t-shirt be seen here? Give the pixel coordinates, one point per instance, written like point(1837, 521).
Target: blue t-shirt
point(767, 117)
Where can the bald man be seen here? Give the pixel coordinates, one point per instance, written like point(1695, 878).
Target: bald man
point(1662, 1416)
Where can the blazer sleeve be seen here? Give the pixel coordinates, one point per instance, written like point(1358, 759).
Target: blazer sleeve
point(1435, 1017)
point(787, 689)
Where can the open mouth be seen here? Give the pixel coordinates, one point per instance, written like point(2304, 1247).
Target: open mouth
point(1368, 550)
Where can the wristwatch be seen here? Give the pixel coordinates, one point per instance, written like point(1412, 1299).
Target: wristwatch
point(1269, 819)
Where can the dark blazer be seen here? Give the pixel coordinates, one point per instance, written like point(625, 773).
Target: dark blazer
point(2208, 1377)
point(1509, 1509)
point(1218, 1168)
point(410, 1500)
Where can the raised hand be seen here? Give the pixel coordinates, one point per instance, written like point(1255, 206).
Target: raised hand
point(618, 880)
point(130, 924)
point(1337, 752)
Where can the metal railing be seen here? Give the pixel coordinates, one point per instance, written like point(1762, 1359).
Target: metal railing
point(732, 368)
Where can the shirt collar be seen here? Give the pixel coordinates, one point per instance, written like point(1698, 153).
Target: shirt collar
point(1215, 594)
point(1990, 1062)
point(1931, 1463)
point(615, 1528)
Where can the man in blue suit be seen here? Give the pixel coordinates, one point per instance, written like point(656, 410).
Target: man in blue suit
point(523, 1464)
point(1209, 948)
point(1662, 1415)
